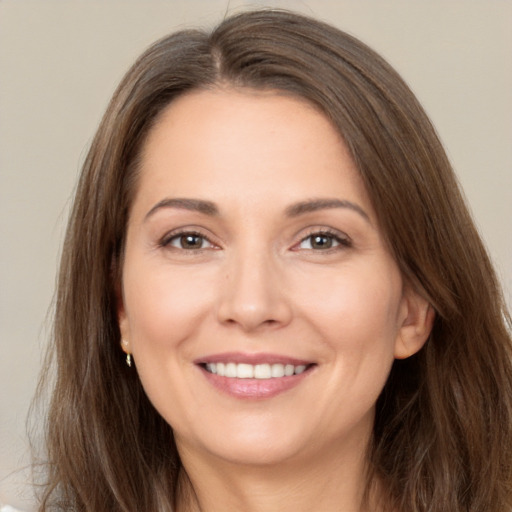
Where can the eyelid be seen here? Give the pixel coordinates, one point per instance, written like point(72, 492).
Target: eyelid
point(165, 241)
point(343, 240)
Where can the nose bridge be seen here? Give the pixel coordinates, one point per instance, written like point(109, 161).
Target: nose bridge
point(252, 294)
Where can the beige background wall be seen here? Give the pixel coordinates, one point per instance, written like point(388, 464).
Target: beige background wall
point(60, 61)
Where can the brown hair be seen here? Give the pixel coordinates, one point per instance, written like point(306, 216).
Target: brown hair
point(443, 432)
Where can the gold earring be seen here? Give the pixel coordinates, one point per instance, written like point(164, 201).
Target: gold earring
point(129, 360)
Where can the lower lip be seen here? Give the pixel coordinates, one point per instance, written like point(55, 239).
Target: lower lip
point(255, 389)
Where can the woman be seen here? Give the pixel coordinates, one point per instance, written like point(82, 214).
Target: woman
point(267, 229)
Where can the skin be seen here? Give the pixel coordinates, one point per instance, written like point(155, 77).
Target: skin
point(255, 282)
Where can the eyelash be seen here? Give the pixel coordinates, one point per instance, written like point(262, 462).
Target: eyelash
point(342, 241)
point(167, 240)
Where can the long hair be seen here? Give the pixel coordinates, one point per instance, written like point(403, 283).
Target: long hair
point(443, 431)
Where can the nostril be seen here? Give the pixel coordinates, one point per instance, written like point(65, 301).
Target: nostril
point(253, 303)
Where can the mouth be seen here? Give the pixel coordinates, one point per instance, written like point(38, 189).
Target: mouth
point(263, 371)
point(255, 376)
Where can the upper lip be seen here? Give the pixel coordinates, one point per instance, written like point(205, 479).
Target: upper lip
point(258, 358)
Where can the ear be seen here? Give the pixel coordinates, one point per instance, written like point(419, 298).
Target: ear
point(416, 321)
point(122, 321)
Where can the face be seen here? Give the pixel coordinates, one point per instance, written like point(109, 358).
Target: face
point(260, 303)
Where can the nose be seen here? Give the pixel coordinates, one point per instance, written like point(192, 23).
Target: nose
point(253, 295)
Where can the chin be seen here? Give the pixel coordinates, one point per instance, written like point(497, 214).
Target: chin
point(248, 446)
point(263, 452)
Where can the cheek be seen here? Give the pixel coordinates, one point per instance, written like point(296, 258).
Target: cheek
point(357, 322)
point(357, 312)
point(163, 307)
point(357, 301)
point(164, 310)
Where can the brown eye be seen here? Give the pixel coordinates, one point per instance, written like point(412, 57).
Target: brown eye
point(323, 241)
point(189, 241)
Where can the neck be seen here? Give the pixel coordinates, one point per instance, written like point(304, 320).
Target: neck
point(333, 481)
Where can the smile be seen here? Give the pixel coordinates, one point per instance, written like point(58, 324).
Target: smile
point(254, 376)
point(254, 371)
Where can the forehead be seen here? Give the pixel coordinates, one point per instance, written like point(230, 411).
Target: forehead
point(217, 144)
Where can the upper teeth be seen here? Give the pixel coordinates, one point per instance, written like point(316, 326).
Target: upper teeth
point(256, 371)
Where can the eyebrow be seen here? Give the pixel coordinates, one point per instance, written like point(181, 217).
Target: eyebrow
point(294, 210)
point(314, 205)
point(196, 205)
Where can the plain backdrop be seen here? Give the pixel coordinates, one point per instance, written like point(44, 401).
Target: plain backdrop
point(60, 62)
